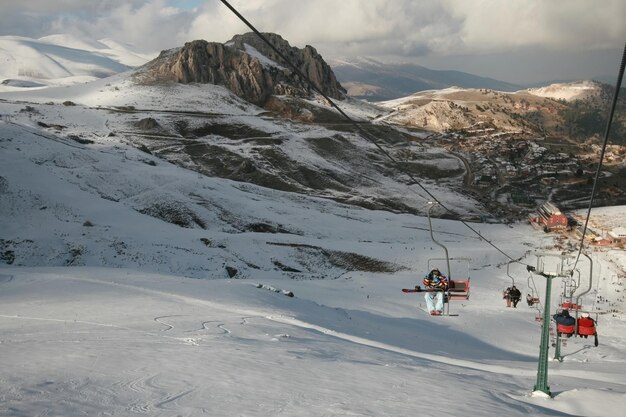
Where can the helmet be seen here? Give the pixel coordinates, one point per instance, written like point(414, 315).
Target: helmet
point(585, 315)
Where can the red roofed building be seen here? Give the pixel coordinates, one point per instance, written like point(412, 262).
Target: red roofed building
point(551, 218)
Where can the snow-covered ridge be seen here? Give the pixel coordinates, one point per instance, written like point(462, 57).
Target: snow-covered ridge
point(579, 90)
point(60, 60)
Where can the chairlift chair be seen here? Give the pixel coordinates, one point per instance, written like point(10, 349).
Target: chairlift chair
point(458, 289)
point(586, 326)
point(533, 297)
point(570, 285)
point(504, 294)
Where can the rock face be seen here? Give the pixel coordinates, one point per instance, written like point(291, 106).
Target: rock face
point(246, 66)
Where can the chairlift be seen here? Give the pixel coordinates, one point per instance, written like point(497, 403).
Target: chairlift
point(508, 265)
point(570, 285)
point(585, 325)
point(581, 324)
point(532, 299)
point(458, 289)
point(567, 330)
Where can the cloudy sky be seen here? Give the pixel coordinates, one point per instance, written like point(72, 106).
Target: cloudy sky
point(520, 41)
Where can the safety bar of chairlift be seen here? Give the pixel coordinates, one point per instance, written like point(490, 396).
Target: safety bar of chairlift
point(588, 289)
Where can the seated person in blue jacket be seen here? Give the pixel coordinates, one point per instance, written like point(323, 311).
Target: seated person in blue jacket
point(563, 318)
point(434, 300)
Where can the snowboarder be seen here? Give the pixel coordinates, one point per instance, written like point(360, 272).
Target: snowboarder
point(434, 299)
point(515, 295)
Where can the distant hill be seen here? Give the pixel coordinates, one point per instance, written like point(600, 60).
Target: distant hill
point(369, 79)
point(575, 110)
point(61, 60)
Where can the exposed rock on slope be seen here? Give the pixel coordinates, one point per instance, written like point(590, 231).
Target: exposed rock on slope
point(246, 66)
point(469, 110)
point(574, 110)
point(307, 60)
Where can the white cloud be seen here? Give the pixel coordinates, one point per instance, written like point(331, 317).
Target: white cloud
point(495, 26)
point(404, 27)
point(416, 30)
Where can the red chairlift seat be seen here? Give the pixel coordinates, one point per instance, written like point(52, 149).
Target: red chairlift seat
point(566, 329)
point(586, 327)
point(568, 305)
point(459, 289)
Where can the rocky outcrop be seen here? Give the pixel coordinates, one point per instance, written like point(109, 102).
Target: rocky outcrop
point(246, 66)
point(307, 60)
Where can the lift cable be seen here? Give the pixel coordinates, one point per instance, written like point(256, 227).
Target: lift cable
point(304, 77)
point(364, 132)
point(618, 86)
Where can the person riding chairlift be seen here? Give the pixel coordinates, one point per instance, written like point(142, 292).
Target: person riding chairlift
point(434, 300)
point(586, 325)
point(565, 324)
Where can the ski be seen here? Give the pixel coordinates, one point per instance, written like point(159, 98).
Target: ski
point(420, 289)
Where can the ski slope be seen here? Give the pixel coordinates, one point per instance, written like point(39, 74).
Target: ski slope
point(102, 341)
point(108, 309)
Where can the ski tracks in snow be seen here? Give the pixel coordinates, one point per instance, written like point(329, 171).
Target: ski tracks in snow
point(247, 314)
point(167, 326)
point(157, 395)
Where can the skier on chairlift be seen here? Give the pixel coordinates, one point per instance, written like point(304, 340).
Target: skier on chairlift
point(515, 295)
point(434, 299)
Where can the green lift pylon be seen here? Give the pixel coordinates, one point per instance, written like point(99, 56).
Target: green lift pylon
point(542, 367)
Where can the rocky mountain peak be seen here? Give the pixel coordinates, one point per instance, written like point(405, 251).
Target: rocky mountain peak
point(246, 66)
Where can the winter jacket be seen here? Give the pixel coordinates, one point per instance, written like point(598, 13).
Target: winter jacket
point(436, 281)
point(515, 294)
point(564, 318)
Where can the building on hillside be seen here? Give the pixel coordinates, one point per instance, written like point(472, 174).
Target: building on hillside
point(550, 218)
point(602, 241)
point(618, 235)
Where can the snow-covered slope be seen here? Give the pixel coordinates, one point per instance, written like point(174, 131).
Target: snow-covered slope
point(60, 60)
point(129, 284)
point(206, 128)
point(98, 314)
point(118, 51)
point(579, 90)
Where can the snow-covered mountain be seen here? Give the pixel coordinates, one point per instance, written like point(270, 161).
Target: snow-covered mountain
point(369, 79)
point(133, 279)
point(117, 51)
point(60, 60)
